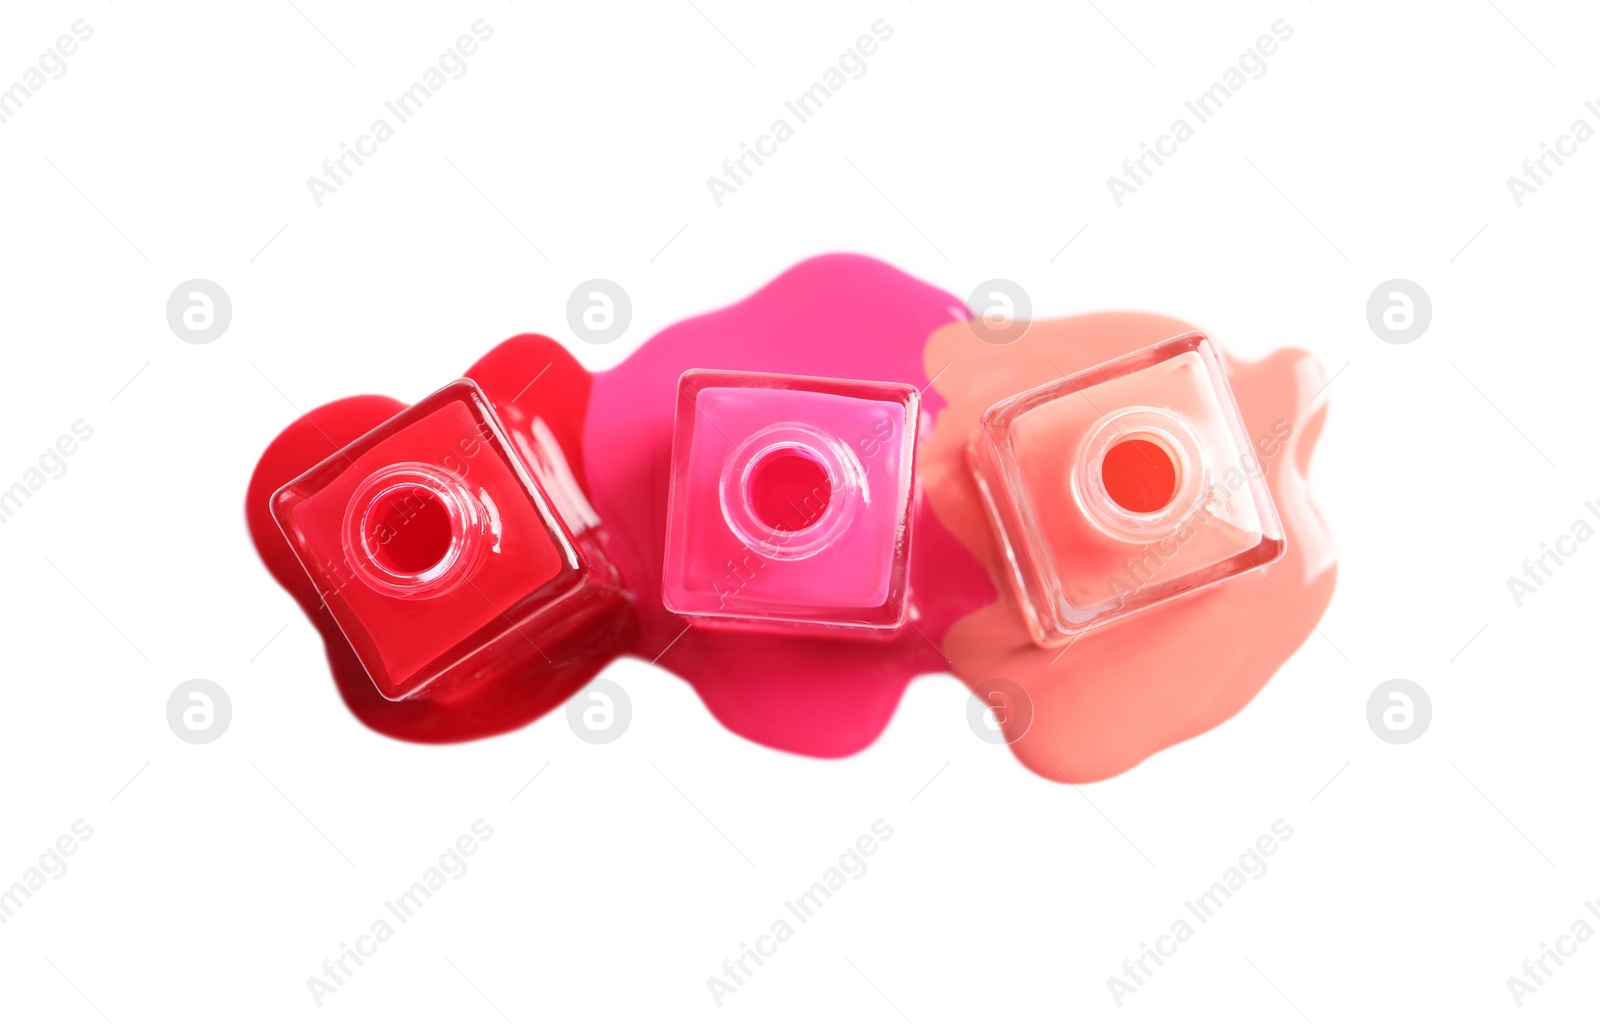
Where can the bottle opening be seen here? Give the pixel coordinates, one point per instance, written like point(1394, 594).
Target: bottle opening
point(789, 489)
point(408, 530)
point(1140, 475)
point(413, 531)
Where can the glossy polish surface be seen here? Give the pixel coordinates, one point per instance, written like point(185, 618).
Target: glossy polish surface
point(601, 449)
point(1140, 475)
point(1119, 693)
point(431, 548)
point(790, 502)
point(1160, 426)
point(841, 317)
point(376, 638)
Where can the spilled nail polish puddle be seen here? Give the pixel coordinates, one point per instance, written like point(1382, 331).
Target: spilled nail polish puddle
point(1118, 693)
point(601, 449)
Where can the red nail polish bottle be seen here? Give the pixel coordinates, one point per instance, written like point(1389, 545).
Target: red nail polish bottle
point(439, 553)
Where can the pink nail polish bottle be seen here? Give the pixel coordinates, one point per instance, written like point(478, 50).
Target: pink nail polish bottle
point(439, 554)
point(1131, 483)
point(790, 506)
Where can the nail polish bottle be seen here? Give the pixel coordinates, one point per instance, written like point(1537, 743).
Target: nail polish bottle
point(439, 554)
point(1126, 485)
point(790, 502)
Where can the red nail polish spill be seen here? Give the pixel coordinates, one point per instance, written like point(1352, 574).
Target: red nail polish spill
point(601, 450)
point(1118, 693)
point(599, 626)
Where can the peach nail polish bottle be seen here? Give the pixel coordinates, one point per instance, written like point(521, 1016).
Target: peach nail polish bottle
point(1123, 486)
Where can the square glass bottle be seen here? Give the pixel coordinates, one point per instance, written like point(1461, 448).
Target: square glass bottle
point(437, 552)
point(1123, 486)
point(790, 503)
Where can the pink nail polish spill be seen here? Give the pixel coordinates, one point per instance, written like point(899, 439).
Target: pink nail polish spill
point(1118, 693)
point(601, 451)
point(845, 317)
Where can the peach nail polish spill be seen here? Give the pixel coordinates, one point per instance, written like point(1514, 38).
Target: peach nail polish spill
point(1121, 692)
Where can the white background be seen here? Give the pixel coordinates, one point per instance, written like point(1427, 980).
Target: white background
point(219, 877)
